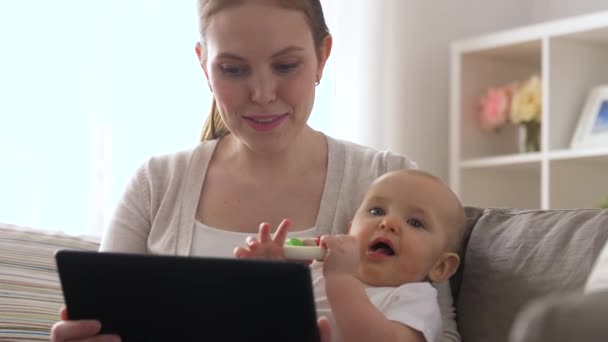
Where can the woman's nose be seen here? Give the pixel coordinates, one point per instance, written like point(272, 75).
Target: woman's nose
point(263, 90)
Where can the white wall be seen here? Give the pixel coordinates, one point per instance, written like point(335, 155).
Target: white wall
point(392, 65)
point(392, 69)
point(544, 10)
point(420, 90)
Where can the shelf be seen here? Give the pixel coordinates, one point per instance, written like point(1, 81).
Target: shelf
point(486, 170)
point(502, 187)
point(513, 160)
point(526, 53)
point(600, 154)
point(530, 159)
point(595, 36)
point(577, 64)
point(590, 28)
point(486, 69)
point(577, 182)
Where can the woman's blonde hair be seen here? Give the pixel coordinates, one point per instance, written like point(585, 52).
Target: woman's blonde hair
point(214, 127)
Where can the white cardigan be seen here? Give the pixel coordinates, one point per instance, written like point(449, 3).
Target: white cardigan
point(157, 212)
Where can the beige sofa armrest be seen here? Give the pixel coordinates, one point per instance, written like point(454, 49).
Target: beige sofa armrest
point(30, 292)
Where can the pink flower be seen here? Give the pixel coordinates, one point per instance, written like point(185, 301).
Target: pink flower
point(494, 107)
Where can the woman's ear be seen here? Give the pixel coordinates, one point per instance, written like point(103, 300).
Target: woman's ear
point(324, 52)
point(201, 58)
point(444, 268)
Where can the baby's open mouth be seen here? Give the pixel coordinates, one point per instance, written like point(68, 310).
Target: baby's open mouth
point(382, 247)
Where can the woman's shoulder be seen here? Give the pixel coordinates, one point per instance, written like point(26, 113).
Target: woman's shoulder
point(357, 155)
point(179, 161)
point(172, 168)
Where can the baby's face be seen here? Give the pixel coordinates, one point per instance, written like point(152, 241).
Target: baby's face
point(403, 227)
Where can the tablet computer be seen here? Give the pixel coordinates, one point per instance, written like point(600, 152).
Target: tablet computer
point(171, 298)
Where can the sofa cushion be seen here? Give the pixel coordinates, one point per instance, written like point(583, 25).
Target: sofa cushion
point(514, 256)
point(564, 318)
point(30, 293)
point(598, 278)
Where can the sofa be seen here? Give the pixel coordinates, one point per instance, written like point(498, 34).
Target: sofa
point(521, 278)
point(30, 293)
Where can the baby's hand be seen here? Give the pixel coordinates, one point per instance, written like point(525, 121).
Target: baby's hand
point(342, 255)
point(265, 246)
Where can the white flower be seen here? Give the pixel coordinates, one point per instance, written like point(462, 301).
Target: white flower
point(526, 105)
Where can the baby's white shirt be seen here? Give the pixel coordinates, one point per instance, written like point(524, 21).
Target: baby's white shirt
point(413, 304)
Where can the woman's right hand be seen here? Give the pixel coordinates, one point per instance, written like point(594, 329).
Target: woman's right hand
point(324, 329)
point(265, 246)
point(83, 330)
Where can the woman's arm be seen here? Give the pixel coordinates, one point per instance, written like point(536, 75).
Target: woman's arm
point(130, 226)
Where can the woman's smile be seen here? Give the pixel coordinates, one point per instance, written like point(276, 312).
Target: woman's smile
point(263, 123)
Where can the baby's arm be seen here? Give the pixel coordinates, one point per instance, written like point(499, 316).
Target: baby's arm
point(357, 318)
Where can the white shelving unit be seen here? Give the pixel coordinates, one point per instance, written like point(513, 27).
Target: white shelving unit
point(487, 170)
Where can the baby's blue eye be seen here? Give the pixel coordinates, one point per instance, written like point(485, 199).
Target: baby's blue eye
point(376, 211)
point(416, 223)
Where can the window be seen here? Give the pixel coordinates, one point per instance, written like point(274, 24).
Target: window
point(90, 90)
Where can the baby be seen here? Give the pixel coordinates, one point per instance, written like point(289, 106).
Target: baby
point(374, 284)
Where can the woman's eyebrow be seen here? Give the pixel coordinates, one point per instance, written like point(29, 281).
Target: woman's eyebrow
point(229, 55)
point(291, 48)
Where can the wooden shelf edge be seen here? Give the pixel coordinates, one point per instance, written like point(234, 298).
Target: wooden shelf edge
point(537, 157)
point(532, 32)
point(506, 160)
point(581, 153)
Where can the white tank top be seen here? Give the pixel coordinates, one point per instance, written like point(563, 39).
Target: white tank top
point(214, 242)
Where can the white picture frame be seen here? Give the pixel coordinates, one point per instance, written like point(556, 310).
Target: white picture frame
point(592, 127)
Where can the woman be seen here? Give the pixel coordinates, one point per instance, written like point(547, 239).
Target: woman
point(259, 161)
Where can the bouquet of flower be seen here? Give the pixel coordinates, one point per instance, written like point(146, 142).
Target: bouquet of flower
point(515, 103)
point(527, 110)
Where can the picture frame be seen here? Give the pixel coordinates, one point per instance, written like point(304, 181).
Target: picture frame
point(592, 127)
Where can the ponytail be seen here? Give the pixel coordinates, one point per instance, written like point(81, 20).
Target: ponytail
point(214, 127)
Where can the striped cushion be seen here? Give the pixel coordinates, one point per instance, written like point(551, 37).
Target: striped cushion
point(30, 293)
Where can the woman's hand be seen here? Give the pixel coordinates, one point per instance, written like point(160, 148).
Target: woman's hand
point(83, 330)
point(324, 329)
point(342, 255)
point(265, 246)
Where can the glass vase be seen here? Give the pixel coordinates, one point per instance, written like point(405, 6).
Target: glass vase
point(529, 137)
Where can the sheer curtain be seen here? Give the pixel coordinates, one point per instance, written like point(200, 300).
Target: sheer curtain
point(88, 91)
